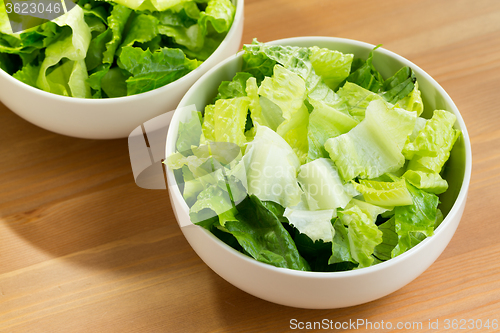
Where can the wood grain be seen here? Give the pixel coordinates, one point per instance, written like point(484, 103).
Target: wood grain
point(83, 249)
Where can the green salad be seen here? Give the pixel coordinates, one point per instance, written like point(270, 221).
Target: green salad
point(309, 159)
point(105, 49)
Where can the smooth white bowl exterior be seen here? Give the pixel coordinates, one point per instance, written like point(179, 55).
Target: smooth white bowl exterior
point(315, 289)
point(109, 118)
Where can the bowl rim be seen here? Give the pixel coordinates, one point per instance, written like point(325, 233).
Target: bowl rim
point(238, 16)
point(459, 201)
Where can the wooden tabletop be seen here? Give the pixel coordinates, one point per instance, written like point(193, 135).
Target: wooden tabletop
point(83, 249)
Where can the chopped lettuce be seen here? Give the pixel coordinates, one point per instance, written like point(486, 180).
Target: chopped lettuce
point(333, 66)
point(433, 143)
point(114, 49)
point(325, 122)
point(330, 166)
point(229, 120)
point(363, 235)
point(385, 194)
point(419, 217)
point(151, 70)
point(315, 224)
point(322, 185)
point(271, 168)
point(262, 235)
point(287, 90)
point(373, 147)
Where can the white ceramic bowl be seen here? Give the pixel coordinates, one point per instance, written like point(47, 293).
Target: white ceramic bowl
point(109, 118)
point(338, 289)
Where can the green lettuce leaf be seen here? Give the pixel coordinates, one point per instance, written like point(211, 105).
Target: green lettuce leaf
point(399, 85)
point(257, 64)
point(271, 168)
point(229, 117)
point(189, 133)
point(325, 122)
point(5, 27)
point(28, 74)
point(356, 99)
point(383, 251)
point(287, 91)
point(385, 194)
point(370, 210)
point(208, 126)
point(363, 235)
point(295, 59)
point(413, 101)
point(143, 29)
point(365, 74)
point(114, 82)
point(69, 78)
point(420, 217)
point(333, 66)
point(341, 250)
point(151, 5)
point(261, 234)
point(212, 201)
point(428, 181)
point(117, 20)
point(234, 88)
point(219, 13)
point(256, 115)
point(373, 147)
point(322, 185)
point(315, 224)
point(152, 70)
point(433, 143)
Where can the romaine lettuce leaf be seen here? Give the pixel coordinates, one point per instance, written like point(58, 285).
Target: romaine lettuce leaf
point(433, 143)
point(413, 101)
point(69, 78)
point(428, 181)
point(322, 185)
point(370, 210)
point(373, 147)
point(208, 127)
point(389, 240)
point(271, 168)
point(315, 224)
point(333, 66)
point(189, 133)
point(365, 74)
point(356, 99)
point(116, 22)
point(258, 118)
point(143, 28)
point(258, 58)
point(234, 88)
point(28, 74)
point(262, 236)
point(219, 13)
point(387, 194)
point(212, 201)
point(287, 90)
point(151, 5)
point(180, 23)
point(399, 85)
point(363, 235)
point(420, 217)
point(341, 250)
point(151, 70)
point(230, 116)
point(257, 64)
point(4, 20)
point(325, 122)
